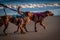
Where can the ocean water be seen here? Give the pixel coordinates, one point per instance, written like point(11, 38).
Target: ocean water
point(33, 6)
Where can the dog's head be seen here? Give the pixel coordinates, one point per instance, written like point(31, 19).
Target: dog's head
point(48, 13)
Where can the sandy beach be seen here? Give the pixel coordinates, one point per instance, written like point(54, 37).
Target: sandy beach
point(51, 33)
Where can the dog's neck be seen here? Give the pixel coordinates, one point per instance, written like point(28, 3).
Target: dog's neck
point(45, 15)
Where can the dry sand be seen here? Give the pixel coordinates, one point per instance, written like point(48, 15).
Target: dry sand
point(51, 33)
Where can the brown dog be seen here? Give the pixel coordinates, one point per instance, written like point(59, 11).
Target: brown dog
point(19, 21)
point(26, 20)
point(39, 18)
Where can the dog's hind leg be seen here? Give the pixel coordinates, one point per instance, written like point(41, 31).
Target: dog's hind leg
point(6, 26)
point(21, 25)
point(6, 23)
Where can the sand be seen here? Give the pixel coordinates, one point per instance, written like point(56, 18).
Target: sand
point(51, 33)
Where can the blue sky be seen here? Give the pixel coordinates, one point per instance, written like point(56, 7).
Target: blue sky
point(26, 0)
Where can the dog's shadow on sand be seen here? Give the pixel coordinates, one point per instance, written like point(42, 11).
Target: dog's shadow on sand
point(9, 34)
point(2, 35)
point(16, 33)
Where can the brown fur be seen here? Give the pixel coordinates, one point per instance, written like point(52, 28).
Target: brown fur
point(38, 19)
point(41, 19)
point(22, 22)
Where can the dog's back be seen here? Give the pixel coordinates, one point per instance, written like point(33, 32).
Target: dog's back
point(38, 14)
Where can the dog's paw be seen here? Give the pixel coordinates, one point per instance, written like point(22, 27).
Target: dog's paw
point(5, 34)
point(36, 31)
point(22, 32)
point(45, 28)
point(15, 32)
point(27, 31)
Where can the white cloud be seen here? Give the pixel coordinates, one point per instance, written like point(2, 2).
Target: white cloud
point(33, 5)
point(38, 5)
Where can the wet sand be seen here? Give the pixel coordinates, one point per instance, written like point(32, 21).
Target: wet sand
point(51, 33)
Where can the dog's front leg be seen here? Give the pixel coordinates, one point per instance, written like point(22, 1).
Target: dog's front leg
point(21, 28)
point(26, 22)
point(24, 26)
point(42, 23)
point(17, 30)
point(21, 25)
point(35, 27)
point(35, 20)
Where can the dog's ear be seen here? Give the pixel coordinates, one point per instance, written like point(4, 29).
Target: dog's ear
point(47, 12)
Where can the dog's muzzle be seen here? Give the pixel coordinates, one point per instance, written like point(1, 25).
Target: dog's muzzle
point(52, 14)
